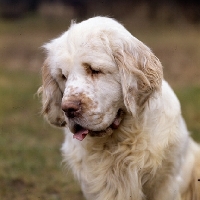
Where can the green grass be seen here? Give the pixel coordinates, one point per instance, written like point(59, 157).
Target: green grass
point(30, 166)
point(190, 103)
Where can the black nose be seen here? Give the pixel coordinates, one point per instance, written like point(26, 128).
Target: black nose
point(71, 108)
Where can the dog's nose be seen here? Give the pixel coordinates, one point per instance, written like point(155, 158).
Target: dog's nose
point(71, 108)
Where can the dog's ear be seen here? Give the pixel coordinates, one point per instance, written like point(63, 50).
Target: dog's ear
point(140, 70)
point(51, 98)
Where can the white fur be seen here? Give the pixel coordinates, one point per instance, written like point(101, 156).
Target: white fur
point(150, 156)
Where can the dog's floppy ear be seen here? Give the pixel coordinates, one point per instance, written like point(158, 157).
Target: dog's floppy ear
point(140, 71)
point(51, 98)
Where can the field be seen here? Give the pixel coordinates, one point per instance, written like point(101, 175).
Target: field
point(31, 164)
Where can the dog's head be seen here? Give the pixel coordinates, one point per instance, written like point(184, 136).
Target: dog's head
point(94, 74)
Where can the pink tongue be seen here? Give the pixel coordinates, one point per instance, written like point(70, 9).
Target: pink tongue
point(116, 123)
point(80, 135)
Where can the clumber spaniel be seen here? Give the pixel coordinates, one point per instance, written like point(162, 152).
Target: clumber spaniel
point(125, 136)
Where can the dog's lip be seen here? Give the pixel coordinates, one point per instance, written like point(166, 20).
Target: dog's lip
point(80, 132)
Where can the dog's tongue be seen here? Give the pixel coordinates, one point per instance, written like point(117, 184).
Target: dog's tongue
point(81, 134)
point(117, 121)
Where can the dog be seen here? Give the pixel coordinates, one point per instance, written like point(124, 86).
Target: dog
point(125, 137)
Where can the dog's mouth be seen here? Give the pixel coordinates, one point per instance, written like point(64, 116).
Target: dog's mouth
point(80, 132)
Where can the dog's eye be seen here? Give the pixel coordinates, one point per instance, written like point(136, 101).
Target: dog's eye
point(63, 77)
point(90, 70)
point(95, 71)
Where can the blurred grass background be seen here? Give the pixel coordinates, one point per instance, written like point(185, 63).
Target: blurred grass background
point(31, 163)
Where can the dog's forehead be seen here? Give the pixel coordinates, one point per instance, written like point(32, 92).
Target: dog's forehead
point(76, 46)
point(91, 51)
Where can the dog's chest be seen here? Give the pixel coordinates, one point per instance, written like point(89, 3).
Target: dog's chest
point(119, 172)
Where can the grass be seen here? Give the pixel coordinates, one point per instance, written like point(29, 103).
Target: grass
point(190, 103)
point(30, 166)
